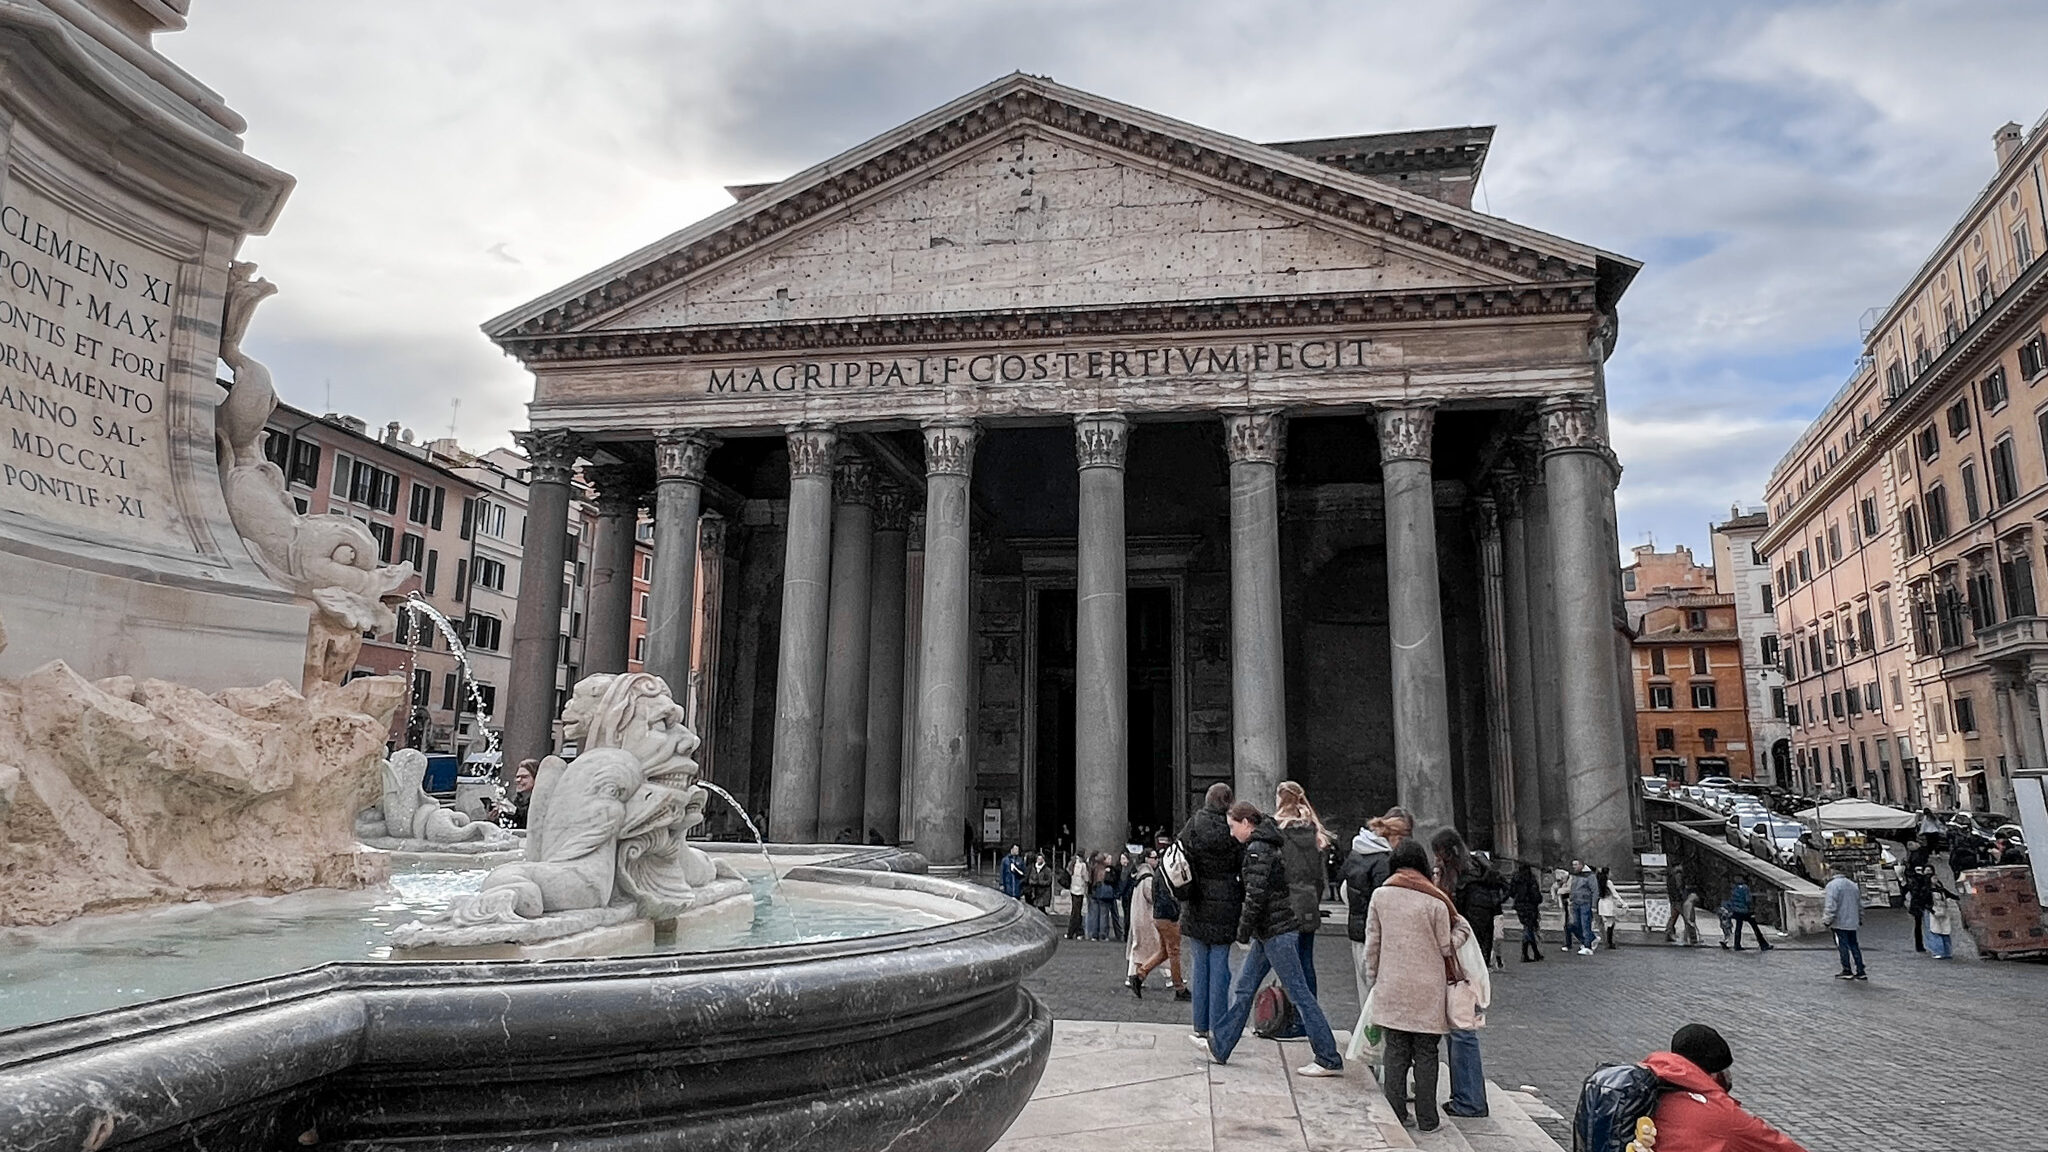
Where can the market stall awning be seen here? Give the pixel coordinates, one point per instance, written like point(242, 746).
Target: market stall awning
point(1860, 816)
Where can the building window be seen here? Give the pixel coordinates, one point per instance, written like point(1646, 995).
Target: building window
point(1827, 646)
point(1972, 507)
point(1929, 441)
point(1667, 740)
point(1834, 543)
point(1966, 716)
point(1884, 617)
point(489, 573)
point(422, 688)
point(344, 467)
point(1939, 714)
point(1873, 700)
point(1835, 705)
point(1657, 662)
point(413, 550)
point(468, 517)
point(1863, 630)
point(1708, 738)
point(1764, 591)
point(2033, 357)
point(1983, 605)
point(1992, 390)
point(1660, 696)
point(461, 588)
point(305, 465)
point(640, 608)
point(1778, 703)
point(2005, 473)
point(1870, 525)
point(1909, 529)
point(1628, 579)
point(1820, 554)
point(1949, 608)
point(433, 564)
point(2016, 572)
point(2022, 244)
point(1703, 696)
point(420, 506)
point(647, 568)
point(1699, 661)
point(1854, 699)
point(1789, 708)
point(1695, 620)
point(440, 505)
point(485, 632)
point(1767, 648)
point(1898, 693)
point(383, 534)
point(639, 649)
point(1934, 504)
point(448, 683)
point(1805, 567)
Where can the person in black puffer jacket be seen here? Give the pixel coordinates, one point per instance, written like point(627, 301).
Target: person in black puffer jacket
point(1208, 911)
point(1363, 872)
point(1267, 922)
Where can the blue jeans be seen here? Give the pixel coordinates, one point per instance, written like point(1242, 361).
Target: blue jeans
point(1468, 1079)
point(1101, 921)
point(1581, 925)
point(1282, 956)
point(1208, 979)
point(1847, 945)
point(1938, 943)
point(1307, 951)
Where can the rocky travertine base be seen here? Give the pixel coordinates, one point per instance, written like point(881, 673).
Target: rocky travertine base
point(123, 792)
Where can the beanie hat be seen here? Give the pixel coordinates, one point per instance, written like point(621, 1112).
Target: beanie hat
point(1704, 1047)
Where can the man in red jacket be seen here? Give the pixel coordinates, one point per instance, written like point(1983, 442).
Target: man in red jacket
point(1697, 1114)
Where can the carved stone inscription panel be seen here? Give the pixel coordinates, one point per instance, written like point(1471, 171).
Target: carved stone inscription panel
point(85, 333)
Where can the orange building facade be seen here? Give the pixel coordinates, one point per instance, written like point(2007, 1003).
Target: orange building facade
point(1692, 718)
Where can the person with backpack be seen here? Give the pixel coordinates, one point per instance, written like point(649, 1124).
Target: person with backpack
point(1411, 940)
point(1527, 896)
point(1361, 875)
point(1266, 921)
point(1740, 912)
point(1101, 897)
point(1144, 938)
point(1693, 1110)
point(1210, 906)
point(1303, 839)
point(1153, 901)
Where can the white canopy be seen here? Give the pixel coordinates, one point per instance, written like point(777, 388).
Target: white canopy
point(1861, 816)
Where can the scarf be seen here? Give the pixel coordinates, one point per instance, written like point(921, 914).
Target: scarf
point(1416, 882)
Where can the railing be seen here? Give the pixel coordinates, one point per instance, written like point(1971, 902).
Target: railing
point(2019, 634)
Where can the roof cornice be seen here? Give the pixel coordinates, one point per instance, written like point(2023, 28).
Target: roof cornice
point(1269, 173)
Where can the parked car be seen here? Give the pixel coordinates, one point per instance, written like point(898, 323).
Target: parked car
point(1717, 781)
point(1772, 838)
point(1656, 787)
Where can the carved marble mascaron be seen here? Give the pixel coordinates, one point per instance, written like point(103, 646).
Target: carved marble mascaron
point(1101, 441)
point(949, 448)
point(1405, 433)
point(1255, 437)
point(681, 455)
point(551, 455)
point(812, 452)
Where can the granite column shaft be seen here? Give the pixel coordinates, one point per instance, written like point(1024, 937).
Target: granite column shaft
point(842, 792)
point(1101, 660)
point(1422, 725)
point(679, 459)
point(882, 779)
point(1522, 694)
point(537, 629)
point(800, 668)
point(610, 621)
point(943, 748)
point(1254, 443)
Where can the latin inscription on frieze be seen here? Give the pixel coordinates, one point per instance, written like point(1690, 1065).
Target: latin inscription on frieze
point(85, 333)
point(1025, 366)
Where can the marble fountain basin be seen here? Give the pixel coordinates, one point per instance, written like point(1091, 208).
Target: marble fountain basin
point(866, 1006)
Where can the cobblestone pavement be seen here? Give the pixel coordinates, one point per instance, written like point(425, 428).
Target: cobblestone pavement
point(1926, 1055)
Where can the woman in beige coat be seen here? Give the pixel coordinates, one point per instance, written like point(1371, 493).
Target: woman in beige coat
point(1410, 932)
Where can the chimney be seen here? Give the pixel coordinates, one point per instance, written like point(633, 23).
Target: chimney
point(391, 432)
point(2007, 141)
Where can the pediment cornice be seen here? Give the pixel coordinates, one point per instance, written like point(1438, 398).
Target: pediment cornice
point(1024, 325)
point(1263, 173)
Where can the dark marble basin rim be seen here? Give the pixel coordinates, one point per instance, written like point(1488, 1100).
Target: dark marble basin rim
point(192, 1059)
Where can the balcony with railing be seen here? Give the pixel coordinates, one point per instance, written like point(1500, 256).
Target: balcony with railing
point(2018, 637)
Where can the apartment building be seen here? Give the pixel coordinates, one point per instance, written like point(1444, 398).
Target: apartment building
point(1649, 572)
point(1692, 720)
point(412, 505)
point(1741, 573)
point(1928, 472)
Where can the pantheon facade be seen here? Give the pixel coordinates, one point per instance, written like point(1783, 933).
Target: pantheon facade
point(1053, 460)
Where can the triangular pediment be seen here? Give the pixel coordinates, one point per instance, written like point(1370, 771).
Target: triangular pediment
point(1026, 195)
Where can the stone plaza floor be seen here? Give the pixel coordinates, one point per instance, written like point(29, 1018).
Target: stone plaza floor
point(1926, 1055)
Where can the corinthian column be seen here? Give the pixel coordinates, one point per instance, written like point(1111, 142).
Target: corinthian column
point(679, 459)
point(537, 629)
point(1422, 725)
point(619, 489)
point(943, 743)
point(800, 671)
point(1258, 701)
point(1521, 694)
point(841, 792)
point(884, 772)
point(1102, 682)
point(1580, 474)
point(1500, 752)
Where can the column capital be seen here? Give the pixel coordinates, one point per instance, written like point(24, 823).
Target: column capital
point(550, 454)
point(1406, 432)
point(1504, 488)
point(620, 489)
point(812, 450)
point(681, 453)
point(949, 447)
point(1489, 515)
point(1255, 437)
point(853, 480)
point(1570, 424)
point(2037, 675)
point(711, 531)
point(892, 508)
point(1101, 439)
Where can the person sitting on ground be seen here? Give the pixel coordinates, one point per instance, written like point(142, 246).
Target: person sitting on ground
point(1698, 1114)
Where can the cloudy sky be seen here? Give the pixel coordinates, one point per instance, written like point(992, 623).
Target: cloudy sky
point(1779, 168)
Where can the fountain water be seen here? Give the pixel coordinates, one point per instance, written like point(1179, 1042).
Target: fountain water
point(760, 843)
point(417, 606)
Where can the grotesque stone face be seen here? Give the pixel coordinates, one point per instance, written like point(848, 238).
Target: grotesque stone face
point(583, 704)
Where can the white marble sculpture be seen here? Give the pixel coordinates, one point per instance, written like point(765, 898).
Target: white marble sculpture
point(605, 832)
point(408, 819)
point(329, 560)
